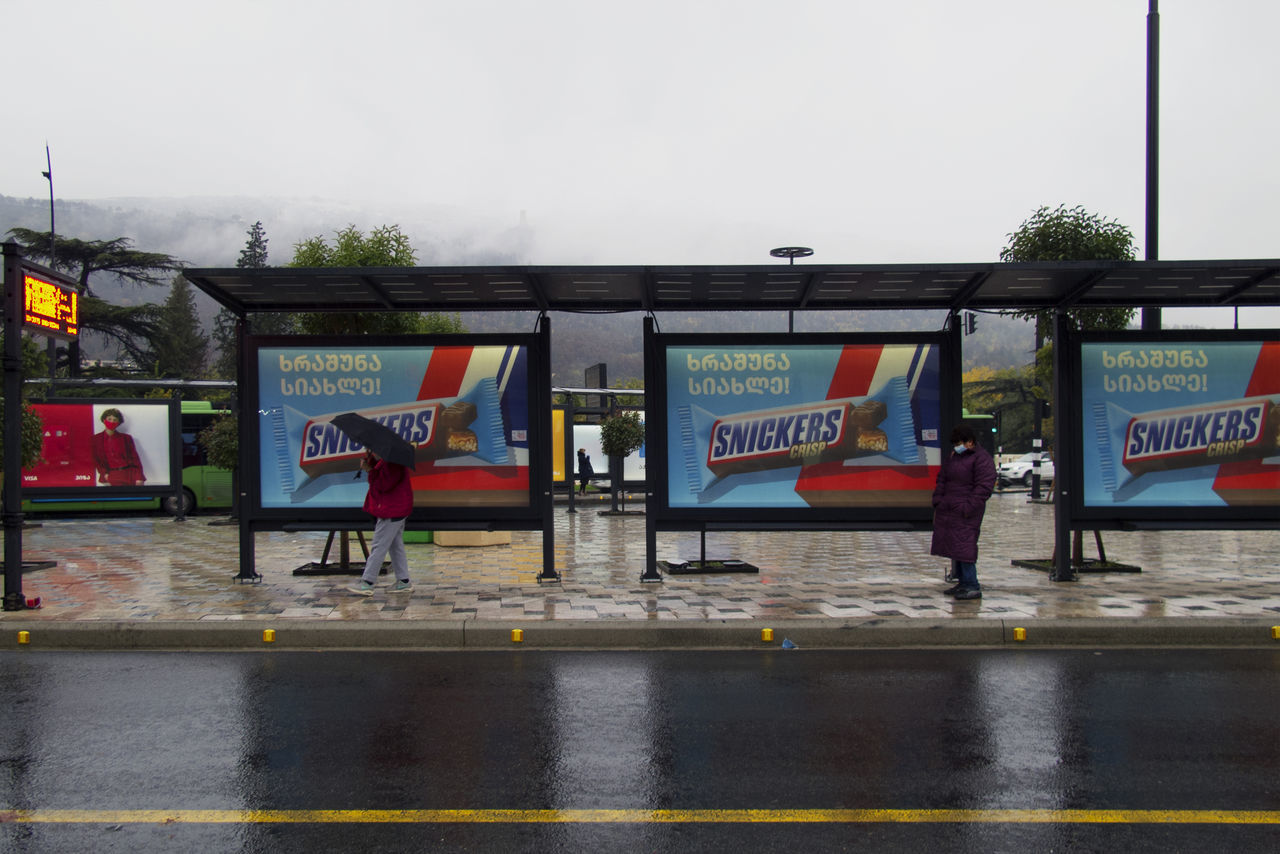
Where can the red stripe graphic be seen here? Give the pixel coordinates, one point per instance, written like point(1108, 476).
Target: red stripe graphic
point(445, 370)
point(854, 371)
point(1251, 482)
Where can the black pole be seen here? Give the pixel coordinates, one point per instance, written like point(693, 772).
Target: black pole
point(650, 573)
point(1151, 314)
point(543, 474)
point(52, 347)
point(1037, 422)
point(1064, 389)
point(12, 501)
point(52, 244)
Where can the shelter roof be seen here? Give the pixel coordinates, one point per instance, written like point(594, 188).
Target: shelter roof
point(800, 287)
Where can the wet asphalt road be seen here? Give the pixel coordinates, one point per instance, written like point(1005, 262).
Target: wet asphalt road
point(479, 745)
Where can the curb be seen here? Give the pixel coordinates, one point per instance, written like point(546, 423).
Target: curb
point(871, 633)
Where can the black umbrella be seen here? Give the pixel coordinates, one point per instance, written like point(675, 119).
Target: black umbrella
point(378, 438)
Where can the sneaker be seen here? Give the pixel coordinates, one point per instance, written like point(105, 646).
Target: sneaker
point(402, 587)
point(362, 588)
point(969, 593)
point(951, 591)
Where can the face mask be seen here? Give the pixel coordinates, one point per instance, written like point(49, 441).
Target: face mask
point(959, 449)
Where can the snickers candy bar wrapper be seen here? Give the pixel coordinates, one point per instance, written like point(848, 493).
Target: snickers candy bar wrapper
point(1209, 434)
point(470, 425)
point(798, 435)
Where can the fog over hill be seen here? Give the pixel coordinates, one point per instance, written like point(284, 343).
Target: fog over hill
point(211, 232)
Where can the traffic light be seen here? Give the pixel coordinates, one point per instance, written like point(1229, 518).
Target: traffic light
point(970, 322)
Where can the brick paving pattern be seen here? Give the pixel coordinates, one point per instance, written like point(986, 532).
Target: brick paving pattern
point(153, 568)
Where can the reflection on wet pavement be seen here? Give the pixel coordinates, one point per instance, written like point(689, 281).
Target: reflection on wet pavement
point(152, 568)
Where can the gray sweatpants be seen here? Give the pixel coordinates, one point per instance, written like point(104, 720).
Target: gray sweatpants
point(388, 538)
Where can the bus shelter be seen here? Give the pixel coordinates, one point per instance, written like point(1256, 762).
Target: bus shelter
point(1163, 429)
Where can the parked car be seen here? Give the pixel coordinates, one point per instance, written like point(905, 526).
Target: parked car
point(1020, 470)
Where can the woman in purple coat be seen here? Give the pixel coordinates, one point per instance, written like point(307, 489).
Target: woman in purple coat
point(965, 482)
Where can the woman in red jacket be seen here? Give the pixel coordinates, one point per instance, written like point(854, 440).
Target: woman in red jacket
point(965, 482)
point(390, 500)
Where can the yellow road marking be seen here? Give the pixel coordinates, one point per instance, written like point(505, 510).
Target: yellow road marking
point(639, 816)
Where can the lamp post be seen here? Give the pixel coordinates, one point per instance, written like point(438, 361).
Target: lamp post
point(1151, 314)
point(53, 251)
point(49, 175)
point(791, 253)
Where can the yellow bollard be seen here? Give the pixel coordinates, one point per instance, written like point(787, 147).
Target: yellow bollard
point(1275, 632)
point(24, 637)
point(1019, 634)
point(517, 635)
point(268, 635)
point(766, 635)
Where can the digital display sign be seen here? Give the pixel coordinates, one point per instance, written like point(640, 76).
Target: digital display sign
point(50, 308)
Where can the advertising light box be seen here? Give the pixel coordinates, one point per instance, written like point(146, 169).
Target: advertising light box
point(466, 408)
point(1186, 421)
point(96, 446)
point(808, 426)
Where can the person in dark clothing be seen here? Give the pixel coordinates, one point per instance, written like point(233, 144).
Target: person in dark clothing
point(965, 482)
point(585, 471)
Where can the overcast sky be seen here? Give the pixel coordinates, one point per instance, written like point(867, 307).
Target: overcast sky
point(661, 132)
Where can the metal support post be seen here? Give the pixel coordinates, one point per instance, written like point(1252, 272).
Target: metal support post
point(543, 476)
point(1064, 423)
point(13, 309)
point(651, 416)
point(248, 559)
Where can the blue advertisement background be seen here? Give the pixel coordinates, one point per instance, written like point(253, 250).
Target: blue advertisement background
point(330, 381)
point(807, 379)
point(1119, 377)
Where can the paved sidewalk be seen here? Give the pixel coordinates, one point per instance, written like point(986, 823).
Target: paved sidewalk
point(151, 574)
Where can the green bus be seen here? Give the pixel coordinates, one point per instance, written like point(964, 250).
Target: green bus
point(204, 487)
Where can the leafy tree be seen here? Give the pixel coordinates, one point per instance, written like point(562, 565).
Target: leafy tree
point(221, 442)
point(132, 327)
point(34, 364)
point(180, 345)
point(384, 246)
point(1072, 234)
point(620, 435)
point(83, 258)
point(32, 436)
point(1009, 394)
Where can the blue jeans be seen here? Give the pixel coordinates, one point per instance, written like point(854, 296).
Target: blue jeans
point(968, 573)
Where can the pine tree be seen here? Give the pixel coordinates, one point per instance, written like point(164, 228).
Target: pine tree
point(180, 346)
point(254, 253)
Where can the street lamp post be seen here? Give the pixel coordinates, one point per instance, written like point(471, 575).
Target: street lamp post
point(791, 253)
point(49, 175)
point(53, 252)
